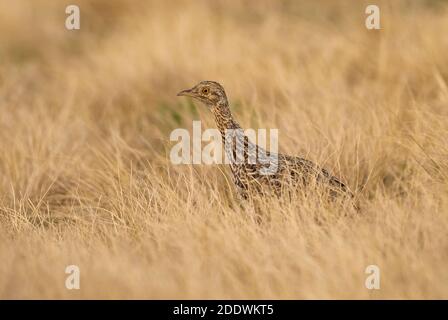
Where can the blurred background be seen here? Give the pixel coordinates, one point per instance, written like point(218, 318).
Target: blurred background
point(314, 59)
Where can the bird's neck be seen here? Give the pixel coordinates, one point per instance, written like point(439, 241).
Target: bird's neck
point(223, 118)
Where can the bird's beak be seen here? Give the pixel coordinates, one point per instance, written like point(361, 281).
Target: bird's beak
point(187, 92)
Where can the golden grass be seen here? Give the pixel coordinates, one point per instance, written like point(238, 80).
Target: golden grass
point(85, 176)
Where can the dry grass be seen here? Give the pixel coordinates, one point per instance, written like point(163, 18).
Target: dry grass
point(85, 176)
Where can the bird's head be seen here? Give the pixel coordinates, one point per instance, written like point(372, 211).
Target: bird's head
point(210, 93)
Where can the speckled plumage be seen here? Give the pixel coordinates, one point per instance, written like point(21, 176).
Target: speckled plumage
point(254, 176)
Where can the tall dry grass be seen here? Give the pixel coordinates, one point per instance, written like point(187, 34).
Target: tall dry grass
point(85, 176)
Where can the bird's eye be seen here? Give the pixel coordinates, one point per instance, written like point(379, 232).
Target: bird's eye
point(205, 91)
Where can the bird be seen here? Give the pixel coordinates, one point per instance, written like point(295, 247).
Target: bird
point(268, 172)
